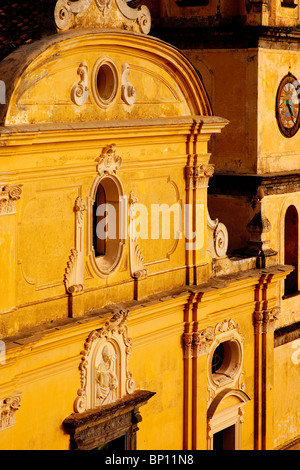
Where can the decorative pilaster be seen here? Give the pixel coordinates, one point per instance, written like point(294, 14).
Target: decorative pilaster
point(197, 343)
point(73, 277)
point(264, 320)
point(137, 268)
point(197, 176)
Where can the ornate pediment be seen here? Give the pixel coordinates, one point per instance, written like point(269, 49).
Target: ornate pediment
point(104, 368)
point(112, 14)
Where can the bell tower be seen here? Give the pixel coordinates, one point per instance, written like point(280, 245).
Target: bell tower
point(248, 55)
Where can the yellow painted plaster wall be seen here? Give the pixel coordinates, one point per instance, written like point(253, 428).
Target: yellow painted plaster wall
point(51, 147)
point(275, 152)
point(46, 370)
point(275, 207)
point(286, 393)
point(230, 79)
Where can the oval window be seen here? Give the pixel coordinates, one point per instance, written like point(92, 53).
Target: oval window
point(105, 82)
point(226, 362)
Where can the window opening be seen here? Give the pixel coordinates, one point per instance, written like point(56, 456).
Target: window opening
point(289, 4)
point(291, 250)
point(115, 445)
point(99, 214)
point(218, 358)
point(225, 362)
point(224, 439)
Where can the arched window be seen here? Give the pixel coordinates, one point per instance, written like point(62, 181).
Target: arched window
point(99, 215)
point(108, 230)
point(291, 249)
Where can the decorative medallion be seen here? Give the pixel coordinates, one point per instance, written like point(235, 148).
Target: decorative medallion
point(109, 161)
point(287, 106)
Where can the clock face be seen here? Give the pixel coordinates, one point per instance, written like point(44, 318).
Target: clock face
point(287, 106)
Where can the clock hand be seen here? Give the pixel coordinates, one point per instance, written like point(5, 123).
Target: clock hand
point(289, 108)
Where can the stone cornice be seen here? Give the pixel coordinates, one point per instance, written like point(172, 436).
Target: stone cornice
point(246, 185)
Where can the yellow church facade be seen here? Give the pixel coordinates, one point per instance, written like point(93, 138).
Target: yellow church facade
point(128, 322)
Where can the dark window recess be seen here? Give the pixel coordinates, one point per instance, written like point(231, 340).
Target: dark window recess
point(217, 359)
point(291, 250)
point(225, 439)
point(192, 3)
point(100, 202)
point(117, 445)
point(289, 4)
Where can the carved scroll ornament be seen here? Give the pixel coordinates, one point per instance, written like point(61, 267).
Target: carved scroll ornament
point(66, 11)
point(128, 91)
point(80, 92)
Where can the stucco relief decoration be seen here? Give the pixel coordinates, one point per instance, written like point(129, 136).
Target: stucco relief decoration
point(197, 176)
point(74, 271)
point(70, 14)
point(104, 366)
point(265, 320)
point(80, 92)
point(8, 409)
point(226, 334)
point(104, 5)
point(197, 343)
point(218, 238)
point(137, 268)
point(9, 195)
point(109, 161)
point(128, 91)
